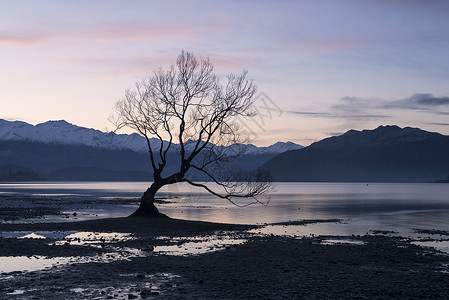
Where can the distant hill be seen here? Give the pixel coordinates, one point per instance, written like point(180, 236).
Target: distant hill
point(57, 150)
point(442, 180)
point(17, 173)
point(385, 154)
point(22, 176)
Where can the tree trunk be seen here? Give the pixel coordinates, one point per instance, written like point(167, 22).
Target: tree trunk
point(147, 207)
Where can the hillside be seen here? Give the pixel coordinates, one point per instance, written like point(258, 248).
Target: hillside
point(385, 154)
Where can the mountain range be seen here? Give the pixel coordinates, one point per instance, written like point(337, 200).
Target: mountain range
point(385, 154)
point(64, 133)
point(58, 150)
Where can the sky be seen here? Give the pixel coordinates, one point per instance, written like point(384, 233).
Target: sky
point(321, 67)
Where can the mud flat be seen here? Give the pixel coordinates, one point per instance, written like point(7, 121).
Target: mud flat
point(141, 258)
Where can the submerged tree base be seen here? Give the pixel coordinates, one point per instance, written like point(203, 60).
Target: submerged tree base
point(148, 210)
point(147, 207)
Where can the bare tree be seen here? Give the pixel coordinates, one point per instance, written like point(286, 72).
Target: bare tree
point(191, 111)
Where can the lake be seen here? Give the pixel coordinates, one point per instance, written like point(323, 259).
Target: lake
point(396, 207)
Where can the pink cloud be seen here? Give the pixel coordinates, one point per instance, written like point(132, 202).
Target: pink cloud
point(118, 66)
point(139, 33)
point(19, 40)
point(115, 32)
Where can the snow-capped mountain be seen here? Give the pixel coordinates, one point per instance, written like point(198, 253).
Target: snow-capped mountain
point(279, 147)
point(62, 132)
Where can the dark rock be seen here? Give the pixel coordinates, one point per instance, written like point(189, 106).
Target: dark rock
point(148, 249)
point(145, 293)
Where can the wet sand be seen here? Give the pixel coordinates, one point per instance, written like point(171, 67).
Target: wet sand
point(372, 266)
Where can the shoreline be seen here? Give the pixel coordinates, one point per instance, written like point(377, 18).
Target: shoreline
point(236, 261)
point(264, 266)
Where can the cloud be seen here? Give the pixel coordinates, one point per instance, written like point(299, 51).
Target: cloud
point(365, 109)
point(423, 102)
point(443, 113)
point(335, 133)
point(338, 115)
point(419, 101)
point(360, 111)
point(439, 124)
point(358, 108)
point(126, 31)
point(354, 104)
point(114, 65)
point(308, 113)
point(18, 39)
point(429, 99)
point(135, 32)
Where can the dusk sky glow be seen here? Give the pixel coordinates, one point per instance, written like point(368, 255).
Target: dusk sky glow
point(324, 66)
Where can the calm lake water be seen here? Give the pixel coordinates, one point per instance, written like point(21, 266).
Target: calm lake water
point(384, 206)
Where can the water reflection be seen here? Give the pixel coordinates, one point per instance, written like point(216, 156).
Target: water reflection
point(29, 263)
point(440, 245)
point(341, 242)
point(198, 247)
point(389, 206)
point(89, 239)
point(374, 206)
point(94, 239)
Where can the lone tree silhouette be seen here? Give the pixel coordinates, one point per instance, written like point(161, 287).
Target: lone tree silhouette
point(188, 110)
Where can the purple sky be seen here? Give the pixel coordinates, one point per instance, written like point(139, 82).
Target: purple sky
point(324, 66)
